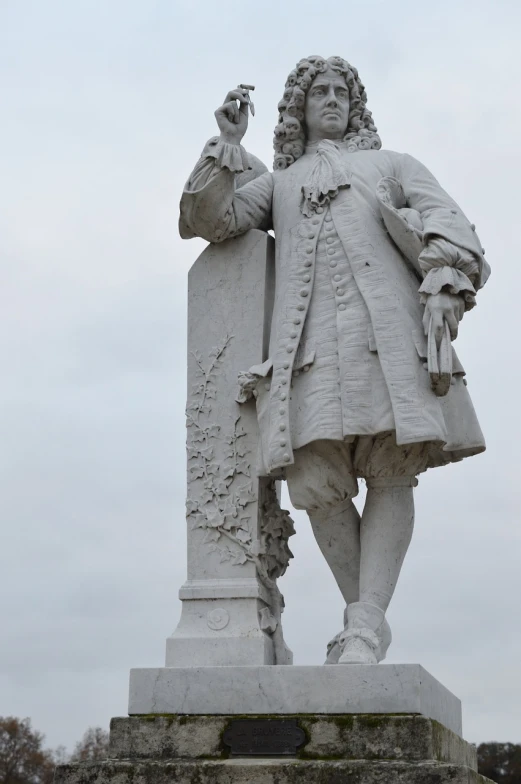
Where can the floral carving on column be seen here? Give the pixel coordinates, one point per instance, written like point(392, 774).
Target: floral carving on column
point(221, 492)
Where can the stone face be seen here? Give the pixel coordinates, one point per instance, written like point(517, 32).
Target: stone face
point(267, 771)
point(386, 688)
point(407, 738)
point(360, 749)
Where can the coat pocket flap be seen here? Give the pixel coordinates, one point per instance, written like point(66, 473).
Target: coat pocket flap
point(305, 356)
point(261, 370)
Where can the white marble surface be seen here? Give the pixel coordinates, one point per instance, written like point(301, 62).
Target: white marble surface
point(375, 266)
point(231, 605)
point(386, 688)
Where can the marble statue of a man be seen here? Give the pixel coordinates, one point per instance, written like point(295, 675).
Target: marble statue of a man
point(375, 267)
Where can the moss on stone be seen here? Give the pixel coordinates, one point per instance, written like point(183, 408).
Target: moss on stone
point(154, 716)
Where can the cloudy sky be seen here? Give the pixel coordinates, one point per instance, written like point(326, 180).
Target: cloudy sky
point(105, 107)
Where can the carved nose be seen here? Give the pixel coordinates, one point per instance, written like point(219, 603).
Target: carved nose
point(332, 101)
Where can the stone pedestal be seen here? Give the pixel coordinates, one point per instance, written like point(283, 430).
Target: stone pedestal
point(354, 748)
point(237, 533)
point(336, 689)
point(359, 724)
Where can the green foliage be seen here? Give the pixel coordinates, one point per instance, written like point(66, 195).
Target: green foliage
point(500, 762)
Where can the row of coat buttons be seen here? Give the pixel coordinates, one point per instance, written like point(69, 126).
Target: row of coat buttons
point(330, 241)
point(283, 395)
point(306, 278)
point(304, 292)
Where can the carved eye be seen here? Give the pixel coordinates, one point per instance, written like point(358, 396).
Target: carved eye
point(318, 91)
point(342, 94)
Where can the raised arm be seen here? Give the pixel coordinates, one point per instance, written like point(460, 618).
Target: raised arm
point(210, 207)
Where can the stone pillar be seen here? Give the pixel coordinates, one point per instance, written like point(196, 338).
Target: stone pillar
point(237, 533)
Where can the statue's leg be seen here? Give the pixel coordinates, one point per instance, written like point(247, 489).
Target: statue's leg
point(322, 482)
point(337, 532)
point(385, 535)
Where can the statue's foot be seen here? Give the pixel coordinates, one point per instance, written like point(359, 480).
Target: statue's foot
point(358, 647)
point(384, 635)
point(366, 638)
point(333, 650)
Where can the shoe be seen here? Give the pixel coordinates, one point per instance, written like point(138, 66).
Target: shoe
point(360, 641)
point(384, 635)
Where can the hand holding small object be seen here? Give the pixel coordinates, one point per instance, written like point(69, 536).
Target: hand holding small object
point(232, 116)
point(441, 318)
point(249, 87)
point(440, 308)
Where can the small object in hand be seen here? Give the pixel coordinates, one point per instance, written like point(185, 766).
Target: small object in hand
point(440, 361)
point(248, 87)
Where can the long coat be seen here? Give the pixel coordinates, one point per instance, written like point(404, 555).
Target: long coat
point(211, 208)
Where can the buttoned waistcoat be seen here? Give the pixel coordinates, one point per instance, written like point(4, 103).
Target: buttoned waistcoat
point(387, 281)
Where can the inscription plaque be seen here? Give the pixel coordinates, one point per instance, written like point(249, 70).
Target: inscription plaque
point(264, 737)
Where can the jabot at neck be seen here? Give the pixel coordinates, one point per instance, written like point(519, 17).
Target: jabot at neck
point(327, 175)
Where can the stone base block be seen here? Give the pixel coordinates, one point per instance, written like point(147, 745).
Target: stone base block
point(407, 738)
point(370, 689)
point(361, 749)
point(266, 772)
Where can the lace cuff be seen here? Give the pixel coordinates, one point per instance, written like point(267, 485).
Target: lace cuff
point(447, 267)
point(451, 280)
point(227, 156)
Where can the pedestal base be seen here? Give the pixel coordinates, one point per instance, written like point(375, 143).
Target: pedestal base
point(386, 688)
point(362, 749)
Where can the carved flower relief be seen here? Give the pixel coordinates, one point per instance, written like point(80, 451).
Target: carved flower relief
point(217, 619)
point(218, 468)
point(267, 621)
point(221, 488)
point(253, 380)
point(247, 383)
point(277, 526)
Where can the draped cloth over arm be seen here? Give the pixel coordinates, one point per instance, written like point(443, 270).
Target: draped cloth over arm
point(210, 206)
point(452, 258)
point(432, 232)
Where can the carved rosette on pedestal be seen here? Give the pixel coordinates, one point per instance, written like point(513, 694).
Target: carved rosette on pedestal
point(237, 532)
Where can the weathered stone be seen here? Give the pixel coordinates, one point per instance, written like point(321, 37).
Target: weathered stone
point(359, 688)
point(267, 771)
point(359, 749)
point(167, 737)
point(355, 737)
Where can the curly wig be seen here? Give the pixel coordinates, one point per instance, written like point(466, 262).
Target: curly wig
point(290, 133)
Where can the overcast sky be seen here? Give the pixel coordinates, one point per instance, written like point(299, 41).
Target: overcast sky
point(105, 107)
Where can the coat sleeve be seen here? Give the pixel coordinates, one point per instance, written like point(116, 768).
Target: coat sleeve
point(453, 258)
point(210, 206)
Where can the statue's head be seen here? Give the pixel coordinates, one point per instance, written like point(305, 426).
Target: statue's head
point(323, 99)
